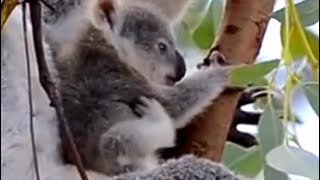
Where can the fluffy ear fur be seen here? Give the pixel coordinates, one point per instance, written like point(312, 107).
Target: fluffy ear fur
point(103, 12)
point(107, 8)
point(172, 9)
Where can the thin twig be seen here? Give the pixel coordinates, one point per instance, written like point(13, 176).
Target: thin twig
point(26, 44)
point(48, 5)
point(47, 82)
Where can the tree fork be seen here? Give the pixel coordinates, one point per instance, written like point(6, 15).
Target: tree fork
point(239, 39)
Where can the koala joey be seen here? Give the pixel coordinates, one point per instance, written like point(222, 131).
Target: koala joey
point(121, 81)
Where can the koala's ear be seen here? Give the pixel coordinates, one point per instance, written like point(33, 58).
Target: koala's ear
point(103, 13)
point(107, 8)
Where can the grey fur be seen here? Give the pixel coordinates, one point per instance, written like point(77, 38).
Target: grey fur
point(173, 10)
point(97, 86)
point(16, 154)
point(185, 168)
point(104, 72)
point(106, 66)
point(62, 8)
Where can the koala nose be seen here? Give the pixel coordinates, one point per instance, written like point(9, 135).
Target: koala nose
point(180, 67)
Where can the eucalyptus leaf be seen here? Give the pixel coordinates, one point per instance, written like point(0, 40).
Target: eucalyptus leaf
point(183, 36)
point(312, 93)
point(190, 21)
point(249, 164)
point(271, 130)
point(271, 135)
point(231, 152)
point(308, 11)
point(273, 174)
point(297, 48)
point(295, 161)
point(205, 32)
point(252, 74)
point(195, 12)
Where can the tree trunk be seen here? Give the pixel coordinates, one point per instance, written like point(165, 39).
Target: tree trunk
point(239, 40)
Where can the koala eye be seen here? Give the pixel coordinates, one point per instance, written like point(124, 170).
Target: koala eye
point(162, 46)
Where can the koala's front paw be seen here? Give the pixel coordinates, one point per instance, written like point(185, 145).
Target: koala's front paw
point(220, 75)
point(137, 106)
point(149, 108)
point(158, 122)
point(216, 59)
point(143, 106)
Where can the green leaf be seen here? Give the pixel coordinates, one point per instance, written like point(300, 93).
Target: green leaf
point(246, 162)
point(196, 11)
point(297, 48)
point(292, 30)
point(270, 128)
point(183, 36)
point(185, 28)
point(249, 164)
point(252, 74)
point(204, 34)
point(308, 11)
point(271, 135)
point(231, 152)
point(295, 161)
point(313, 41)
point(273, 174)
point(312, 93)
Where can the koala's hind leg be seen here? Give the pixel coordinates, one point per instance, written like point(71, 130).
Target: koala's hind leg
point(131, 145)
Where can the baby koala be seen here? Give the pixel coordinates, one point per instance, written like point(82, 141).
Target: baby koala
point(119, 75)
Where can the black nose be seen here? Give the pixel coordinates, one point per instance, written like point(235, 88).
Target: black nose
point(180, 67)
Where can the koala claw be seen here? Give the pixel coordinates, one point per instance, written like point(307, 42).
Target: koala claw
point(143, 106)
point(216, 59)
point(138, 106)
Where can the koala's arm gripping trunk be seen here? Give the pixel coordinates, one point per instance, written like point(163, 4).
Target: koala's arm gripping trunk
point(239, 39)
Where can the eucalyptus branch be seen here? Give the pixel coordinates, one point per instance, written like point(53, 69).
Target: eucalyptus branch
point(239, 39)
